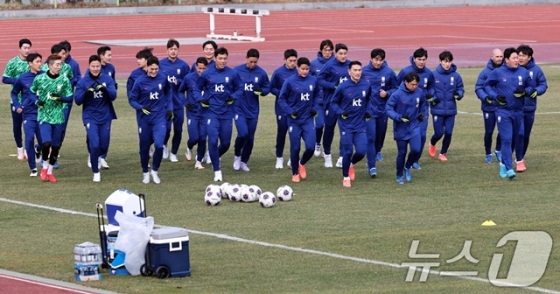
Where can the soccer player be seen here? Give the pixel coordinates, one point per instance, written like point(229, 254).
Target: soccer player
point(488, 106)
point(449, 89)
point(299, 98)
point(151, 97)
point(350, 102)
point(406, 108)
point(278, 78)
point(196, 126)
point(383, 81)
point(526, 60)
point(176, 69)
point(108, 69)
point(426, 83)
point(96, 92)
point(14, 68)
point(222, 87)
point(325, 54)
point(208, 49)
point(255, 84)
point(29, 110)
point(52, 90)
point(74, 66)
point(334, 72)
point(142, 57)
point(508, 85)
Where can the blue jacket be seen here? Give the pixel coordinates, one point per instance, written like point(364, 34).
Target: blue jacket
point(539, 83)
point(176, 72)
point(447, 82)
point(353, 98)
point(251, 79)
point(331, 75)
point(299, 95)
point(188, 85)
point(134, 75)
point(276, 81)
point(426, 83)
point(28, 99)
point(317, 63)
point(218, 85)
point(479, 87)
point(504, 81)
point(382, 78)
point(153, 93)
point(410, 103)
point(97, 105)
point(75, 70)
point(108, 70)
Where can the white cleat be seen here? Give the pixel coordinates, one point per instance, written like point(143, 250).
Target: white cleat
point(236, 162)
point(33, 173)
point(20, 154)
point(218, 176)
point(317, 152)
point(339, 162)
point(289, 163)
point(88, 161)
point(97, 177)
point(198, 165)
point(279, 162)
point(155, 177)
point(102, 163)
point(146, 178)
point(328, 160)
point(173, 158)
point(244, 167)
point(207, 158)
point(188, 154)
point(165, 152)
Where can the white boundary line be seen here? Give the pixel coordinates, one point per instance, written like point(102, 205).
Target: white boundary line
point(480, 113)
point(296, 249)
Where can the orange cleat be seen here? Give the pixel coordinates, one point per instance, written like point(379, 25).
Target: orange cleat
point(347, 183)
point(432, 151)
point(352, 173)
point(295, 178)
point(44, 176)
point(442, 157)
point(51, 178)
point(520, 166)
point(302, 172)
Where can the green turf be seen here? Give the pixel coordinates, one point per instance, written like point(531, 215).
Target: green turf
point(374, 220)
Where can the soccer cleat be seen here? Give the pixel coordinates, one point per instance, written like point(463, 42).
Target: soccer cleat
point(279, 163)
point(407, 174)
point(442, 157)
point(44, 175)
point(432, 150)
point(302, 172)
point(218, 176)
point(498, 155)
point(289, 163)
point(198, 165)
point(379, 156)
point(155, 177)
point(33, 173)
point(20, 155)
point(24, 154)
point(173, 158)
point(51, 178)
point(520, 166)
point(88, 161)
point(103, 163)
point(347, 182)
point(317, 152)
point(339, 162)
point(510, 174)
point(97, 177)
point(55, 166)
point(188, 154)
point(373, 172)
point(207, 158)
point(244, 167)
point(351, 173)
point(328, 160)
point(416, 166)
point(488, 158)
point(295, 178)
point(236, 162)
point(165, 152)
point(503, 171)
point(146, 178)
point(400, 180)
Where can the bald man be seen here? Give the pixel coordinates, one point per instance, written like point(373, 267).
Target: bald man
point(488, 106)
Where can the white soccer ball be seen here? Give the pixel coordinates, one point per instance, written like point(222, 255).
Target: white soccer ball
point(213, 195)
point(234, 192)
point(246, 193)
point(267, 199)
point(284, 193)
point(257, 191)
point(224, 188)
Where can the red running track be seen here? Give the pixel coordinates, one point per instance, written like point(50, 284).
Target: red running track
point(15, 285)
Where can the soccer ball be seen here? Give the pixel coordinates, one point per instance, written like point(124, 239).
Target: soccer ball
point(234, 192)
point(284, 193)
point(213, 195)
point(267, 199)
point(224, 189)
point(246, 193)
point(257, 191)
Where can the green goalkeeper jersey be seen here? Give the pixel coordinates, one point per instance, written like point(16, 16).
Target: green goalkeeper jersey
point(65, 70)
point(43, 86)
point(15, 68)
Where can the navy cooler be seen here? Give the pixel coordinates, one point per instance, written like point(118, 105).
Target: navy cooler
point(168, 253)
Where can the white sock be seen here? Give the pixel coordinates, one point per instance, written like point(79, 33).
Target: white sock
point(45, 164)
point(346, 178)
point(49, 171)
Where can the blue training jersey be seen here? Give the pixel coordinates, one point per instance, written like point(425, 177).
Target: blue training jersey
point(28, 99)
point(251, 79)
point(278, 79)
point(176, 71)
point(300, 95)
point(218, 85)
point(97, 104)
point(153, 94)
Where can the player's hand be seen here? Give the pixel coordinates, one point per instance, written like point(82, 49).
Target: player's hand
point(40, 103)
point(489, 100)
point(501, 100)
point(429, 97)
point(91, 89)
point(230, 100)
point(421, 117)
point(534, 94)
point(146, 110)
point(258, 92)
point(116, 86)
point(100, 87)
point(519, 93)
point(169, 115)
point(367, 116)
point(456, 95)
point(313, 113)
point(55, 97)
point(205, 103)
point(404, 118)
point(435, 101)
point(294, 114)
point(189, 106)
point(344, 115)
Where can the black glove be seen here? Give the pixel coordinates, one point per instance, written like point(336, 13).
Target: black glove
point(534, 94)
point(519, 93)
point(456, 95)
point(313, 113)
point(258, 92)
point(501, 100)
point(229, 100)
point(146, 110)
point(367, 116)
point(435, 101)
point(344, 115)
point(205, 103)
point(421, 117)
point(55, 96)
point(405, 118)
point(40, 103)
point(429, 97)
point(294, 114)
point(116, 86)
point(488, 100)
point(169, 115)
point(189, 106)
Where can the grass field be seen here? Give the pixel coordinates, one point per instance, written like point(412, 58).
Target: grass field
point(375, 220)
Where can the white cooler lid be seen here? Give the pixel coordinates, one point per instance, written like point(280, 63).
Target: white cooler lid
point(168, 233)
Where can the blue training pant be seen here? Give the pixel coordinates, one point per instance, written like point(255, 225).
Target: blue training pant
point(380, 131)
point(301, 130)
point(98, 138)
point(178, 120)
point(281, 131)
point(319, 125)
point(66, 112)
point(197, 136)
point(328, 135)
point(351, 140)
point(17, 123)
point(415, 150)
point(218, 129)
point(148, 133)
point(489, 125)
point(246, 129)
point(32, 131)
point(528, 121)
point(423, 131)
point(371, 134)
point(510, 126)
point(443, 127)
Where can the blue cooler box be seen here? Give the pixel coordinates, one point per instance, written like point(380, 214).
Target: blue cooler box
point(168, 253)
